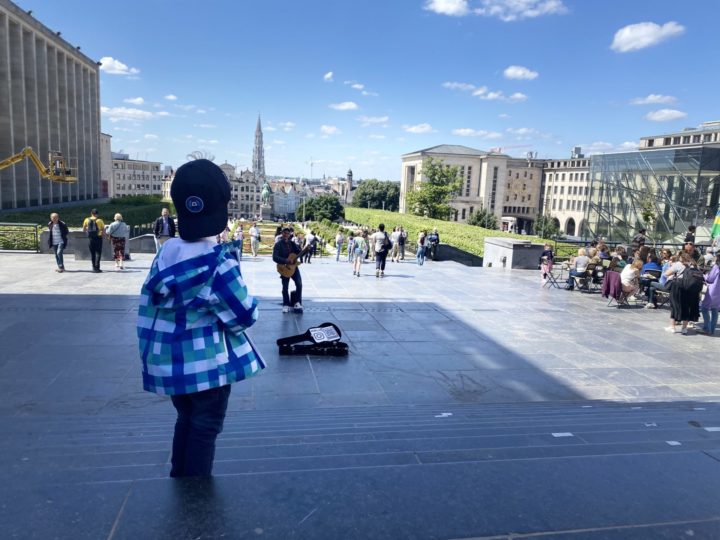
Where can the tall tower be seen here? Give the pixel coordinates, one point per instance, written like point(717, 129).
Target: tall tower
point(259, 154)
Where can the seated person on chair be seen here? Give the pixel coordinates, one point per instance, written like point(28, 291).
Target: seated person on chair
point(630, 277)
point(694, 252)
point(594, 257)
point(578, 268)
point(652, 264)
point(619, 259)
point(603, 250)
point(664, 283)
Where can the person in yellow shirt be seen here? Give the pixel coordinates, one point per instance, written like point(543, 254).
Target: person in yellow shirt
point(94, 227)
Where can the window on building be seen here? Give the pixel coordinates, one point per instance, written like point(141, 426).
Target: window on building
point(553, 205)
point(562, 190)
point(686, 139)
point(584, 205)
point(507, 198)
point(696, 138)
point(471, 209)
point(463, 214)
point(707, 137)
point(676, 140)
point(667, 141)
point(524, 187)
point(560, 204)
point(525, 174)
point(555, 190)
point(651, 142)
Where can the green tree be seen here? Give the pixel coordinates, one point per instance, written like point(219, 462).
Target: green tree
point(439, 185)
point(319, 208)
point(483, 218)
point(377, 194)
point(546, 226)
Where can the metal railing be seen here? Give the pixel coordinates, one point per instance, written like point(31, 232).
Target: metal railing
point(20, 237)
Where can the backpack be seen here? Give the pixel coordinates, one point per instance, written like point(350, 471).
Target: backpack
point(92, 228)
point(386, 242)
point(691, 280)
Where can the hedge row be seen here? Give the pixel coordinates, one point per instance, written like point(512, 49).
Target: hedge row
point(140, 210)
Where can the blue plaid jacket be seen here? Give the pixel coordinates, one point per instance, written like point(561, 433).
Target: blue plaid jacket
point(191, 321)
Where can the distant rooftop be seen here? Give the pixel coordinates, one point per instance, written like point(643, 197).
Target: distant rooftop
point(453, 149)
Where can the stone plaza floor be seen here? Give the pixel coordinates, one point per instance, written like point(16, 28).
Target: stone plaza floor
point(474, 403)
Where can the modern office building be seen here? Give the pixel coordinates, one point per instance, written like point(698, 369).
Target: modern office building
point(50, 102)
point(672, 181)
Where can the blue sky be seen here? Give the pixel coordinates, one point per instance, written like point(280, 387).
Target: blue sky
point(357, 84)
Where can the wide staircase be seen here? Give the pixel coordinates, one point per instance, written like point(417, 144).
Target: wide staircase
point(576, 470)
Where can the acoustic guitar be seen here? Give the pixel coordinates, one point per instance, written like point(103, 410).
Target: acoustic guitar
point(288, 270)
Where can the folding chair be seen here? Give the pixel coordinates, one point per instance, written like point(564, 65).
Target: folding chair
point(583, 282)
point(612, 289)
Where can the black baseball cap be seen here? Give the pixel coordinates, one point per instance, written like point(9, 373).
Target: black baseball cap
point(200, 192)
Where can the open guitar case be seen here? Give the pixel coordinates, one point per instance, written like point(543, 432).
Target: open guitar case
point(322, 340)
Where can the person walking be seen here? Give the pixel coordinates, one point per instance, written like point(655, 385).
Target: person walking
point(254, 239)
point(711, 302)
point(351, 246)
point(164, 228)
point(191, 334)
point(339, 241)
point(360, 249)
point(94, 227)
point(402, 239)
point(420, 249)
point(381, 241)
point(395, 249)
point(118, 232)
point(58, 239)
point(433, 239)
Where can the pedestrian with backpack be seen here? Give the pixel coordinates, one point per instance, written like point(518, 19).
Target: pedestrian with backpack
point(381, 241)
point(711, 301)
point(684, 293)
point(94, 227)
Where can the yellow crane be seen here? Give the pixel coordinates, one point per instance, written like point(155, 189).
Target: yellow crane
point(57, 169)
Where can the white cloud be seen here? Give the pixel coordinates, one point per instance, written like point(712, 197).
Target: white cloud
point(134, 101)
point(111, 66)
point(469, 132)
point(497, 95)
point(117, 114)
point(629, 145)
point(287, 126)
point(329, 130)
point(357, 86)
point(664, 115)
point(162, 113)
point(373, 120)
point(598, 147)
point(328, 77)
point(645, 34)
point(465, 87)
point(376, 136)
point(201, 111)
point(309, 135)
point(205, 126)
point(515, 10)
point(453, 8)
point(366, 93)
point(503, 115)
point(171, 97)
point(278, 142)
point(269, 128)
point(523, 132)
point(520, 72)
point(653, 99)
point(344, 106)
point(208, 141)
point(419, 128)
point(185, 107)
point(151, 136)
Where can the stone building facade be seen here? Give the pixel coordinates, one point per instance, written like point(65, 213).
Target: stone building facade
point(51, 102)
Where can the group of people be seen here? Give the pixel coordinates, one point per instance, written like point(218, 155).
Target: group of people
point(94, 227)
point(645, 272)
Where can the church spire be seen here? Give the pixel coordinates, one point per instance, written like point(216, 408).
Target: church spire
point(259, 153)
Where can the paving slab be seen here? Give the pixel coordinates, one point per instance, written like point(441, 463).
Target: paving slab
point(474, 403)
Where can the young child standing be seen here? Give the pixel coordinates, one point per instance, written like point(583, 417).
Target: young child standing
point(194, 308)
point(546, 262)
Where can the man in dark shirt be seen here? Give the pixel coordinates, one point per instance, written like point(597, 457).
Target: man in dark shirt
point(638, 240)
point(281, 253)
point(434, 240)
point(690, 236)
point(164, 228)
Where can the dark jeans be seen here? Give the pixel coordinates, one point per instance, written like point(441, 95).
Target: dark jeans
point(573, 274)
point(654, 287)
point(96, 244)
point(433, 250)
point(58, 249)
point(199, 422)
point(380, 258)
point(298, 287)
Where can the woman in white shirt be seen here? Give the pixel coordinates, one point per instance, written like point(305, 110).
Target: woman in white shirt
point(630, 277)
